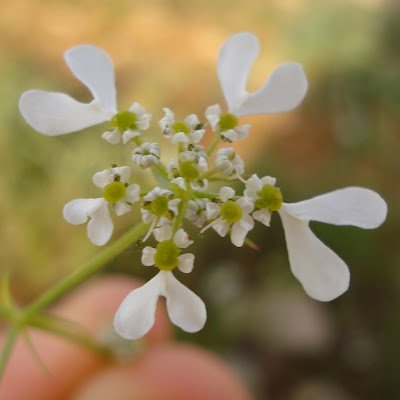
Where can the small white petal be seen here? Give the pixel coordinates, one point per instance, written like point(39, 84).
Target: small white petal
point(180, 137)
point(192, 120)
point(185, 308)
point(56, 114)
point(226, 193)
point(263, 216)
point(124, 172)
point(94, 68)
point(221, 227)
point(163, 233)
point(121, 208)
point(349, 206)
point(136, 314)
point(283, 91)
point(148, 256)
point(186, 262)
point(128, 135)
point(181, 239)
point(132, 193)
point(77, 211)
point(113, 137)
point(180, 182)
point(103, 178)
point(235, 60)
point(268, 180)
point(323, 274)
point(212, 210)
point(247, 222)
point(238, 234)
point(100, 227)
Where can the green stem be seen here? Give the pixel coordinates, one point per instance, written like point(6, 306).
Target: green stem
point(209, 173)
point(213, 145)
point(7, 349)
point(205, 195)
point(86, 271)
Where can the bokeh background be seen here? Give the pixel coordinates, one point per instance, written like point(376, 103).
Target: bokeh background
point(347, 132)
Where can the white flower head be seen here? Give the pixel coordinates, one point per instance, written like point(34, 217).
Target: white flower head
point(284, 89)
point(117, 193)
point(323, 274)
point(136, 314)
point(226, 124)
point(230, 216)
point(196, 212)
point(229, 163)
point(188, 131)
point(53, 113)
point(146, 155)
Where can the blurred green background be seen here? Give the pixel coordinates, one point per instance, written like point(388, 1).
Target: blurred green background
point(347, 132)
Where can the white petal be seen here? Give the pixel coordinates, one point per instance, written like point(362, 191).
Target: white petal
point(77, 211)
point(163, 233)
point(135, 315)
point(221, 227)
point(349, 206)
point(186, 262)
point(113, 137)
point(132, 193)
point(128, 135)
point(179, 182)
point(226, 193)
point(148, 256)
point(93, 67)
point(121, 208)
point(238, 234)
point(103, 178)
point(181, 239)
point(100, 227)
point(323, 274)
point(212, 210)
point(263, 216)
point(124, 172)
point(192, 120)
point(180, 137)
point(235, 60)
point(185, 308)
point(283, 91)
point(56, 114)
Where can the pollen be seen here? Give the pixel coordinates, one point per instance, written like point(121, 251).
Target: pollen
point(114, 191)
point(166, 257)
point(124, 120)
point(231, 212)
point(269, 197)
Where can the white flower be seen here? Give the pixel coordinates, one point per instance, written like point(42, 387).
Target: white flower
point(136, 314)
point(53, 113)
point(231, 215)
point(128, 124)
point(229, 163)
point(284, 89)
point(116, 192)
point(189, 131)
point(147, 154)
point(196, 212)
point(225, 124)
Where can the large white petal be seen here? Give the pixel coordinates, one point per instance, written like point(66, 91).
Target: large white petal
point(236, 57)
point(77, 211)
point(56, 114)
point(323, 274)
point(94, 68)
point(185, 308)
point(349, 206)
point(100, 227)
point(136, 314)
point(284, 90)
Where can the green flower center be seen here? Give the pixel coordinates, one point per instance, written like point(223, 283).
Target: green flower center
point(188, 170)
point(114, 191)
point(181, 127)
point(124, 120)
point(231, 212)
point(159, 206)
point(269, 197)
point(166, 257)
point(227, 121)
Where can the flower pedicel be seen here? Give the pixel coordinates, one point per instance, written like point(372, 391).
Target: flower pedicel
point(182, 196)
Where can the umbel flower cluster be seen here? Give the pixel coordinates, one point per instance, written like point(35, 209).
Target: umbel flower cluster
point(185, 194)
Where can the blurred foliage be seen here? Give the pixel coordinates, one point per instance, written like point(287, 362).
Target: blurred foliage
point(345, 133)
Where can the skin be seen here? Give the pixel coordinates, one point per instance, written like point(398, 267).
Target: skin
point(164, 370)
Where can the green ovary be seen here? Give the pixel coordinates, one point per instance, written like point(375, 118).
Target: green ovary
point(124, 120)
point(181, 127)
point(188, 170)
point(159, 206)
point(114, 191)
point(166, 257)
point(231, 212)
point(227, 121)
point(269, 197)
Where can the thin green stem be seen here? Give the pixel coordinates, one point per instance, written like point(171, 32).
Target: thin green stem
point(213, 145)
point(86, 271)
point(205, 195)
point(209, 173)
point(7, 349)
